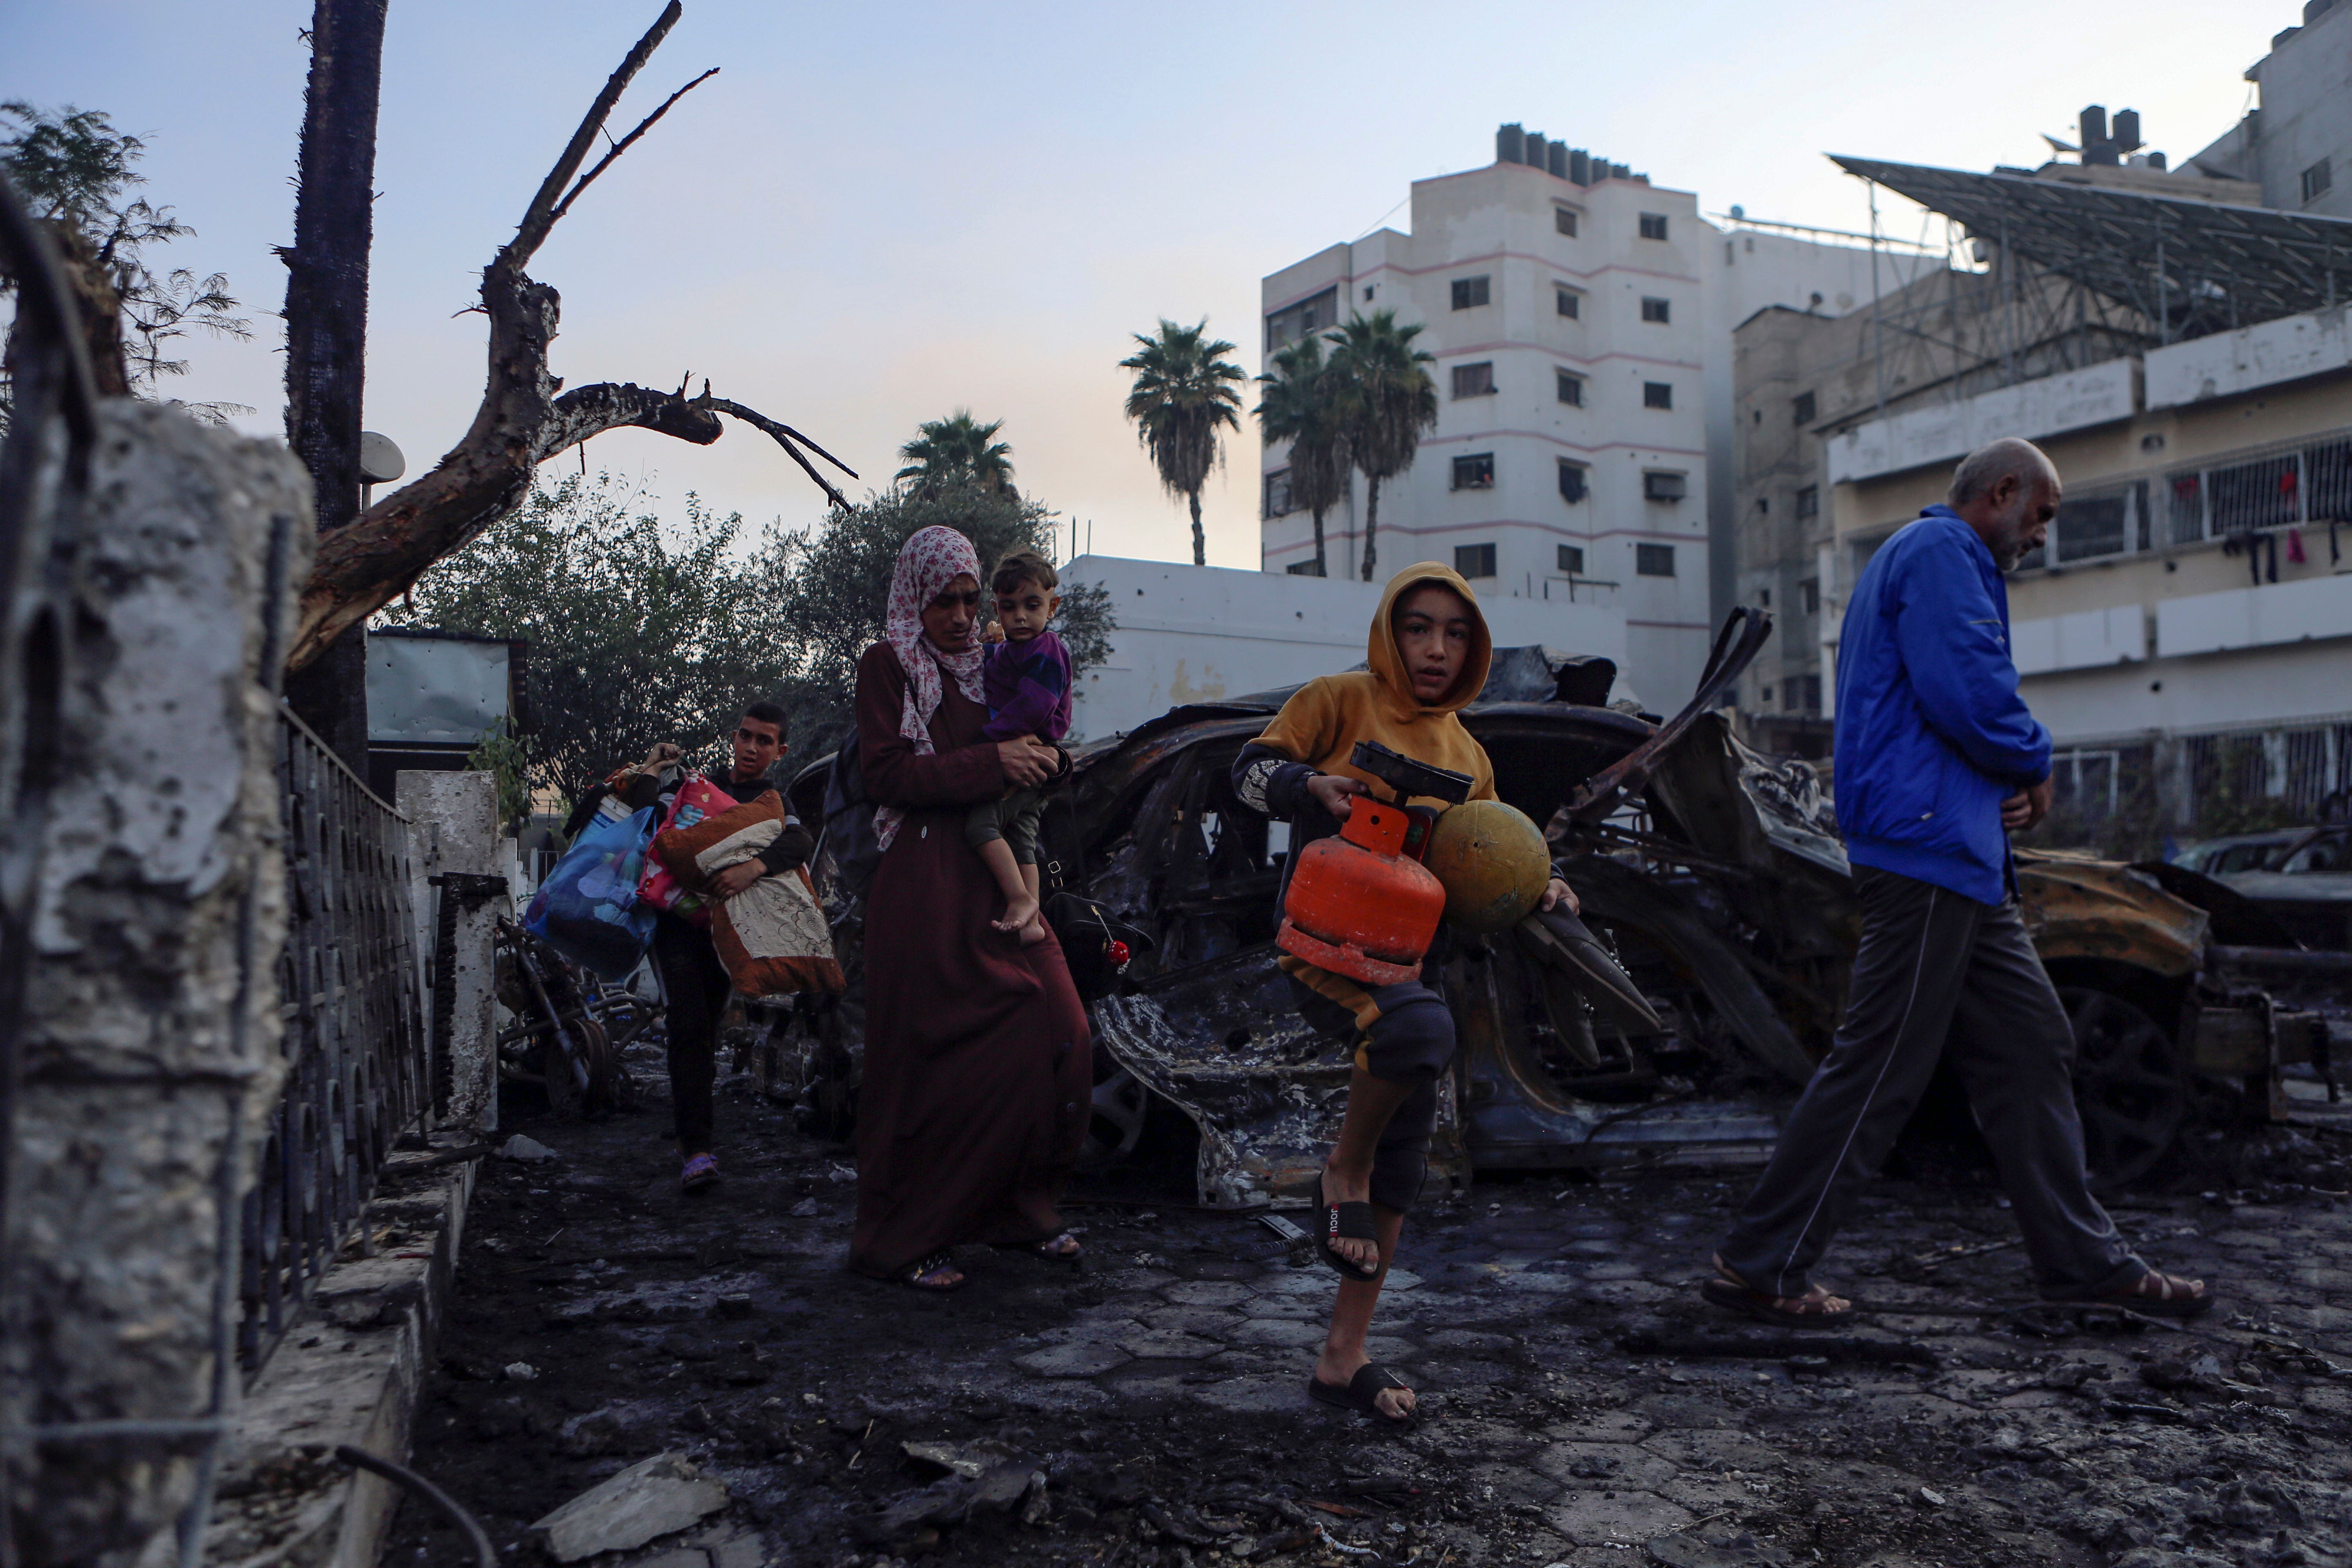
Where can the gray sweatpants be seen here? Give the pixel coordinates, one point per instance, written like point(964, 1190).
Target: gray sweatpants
point(1933, 964)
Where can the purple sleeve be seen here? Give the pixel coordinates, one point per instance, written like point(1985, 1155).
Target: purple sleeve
point(1039, 702)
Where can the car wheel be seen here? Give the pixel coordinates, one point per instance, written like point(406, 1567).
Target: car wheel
point(2129, 1084)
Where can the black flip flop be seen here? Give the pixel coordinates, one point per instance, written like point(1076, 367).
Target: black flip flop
point(1363, 1394)
point(1352, 1221)
point(1737, 1298)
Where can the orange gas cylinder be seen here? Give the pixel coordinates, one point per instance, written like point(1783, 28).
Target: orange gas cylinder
point(1358, 904)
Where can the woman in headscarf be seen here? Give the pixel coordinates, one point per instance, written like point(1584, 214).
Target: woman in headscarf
point(979, 1068)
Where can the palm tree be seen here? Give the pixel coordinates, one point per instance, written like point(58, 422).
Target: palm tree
point(1302, 406)
point(1388, 400)
point(958, 449)
point(1181, 396)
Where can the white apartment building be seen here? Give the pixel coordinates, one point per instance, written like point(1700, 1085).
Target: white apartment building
point(1581, 318)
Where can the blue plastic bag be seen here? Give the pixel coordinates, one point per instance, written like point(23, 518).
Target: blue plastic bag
point(588, 909)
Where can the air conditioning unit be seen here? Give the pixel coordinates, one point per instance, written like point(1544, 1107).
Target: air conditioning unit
point(1665, 487)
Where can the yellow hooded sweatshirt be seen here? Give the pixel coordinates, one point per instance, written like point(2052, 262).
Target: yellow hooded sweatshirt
point(1324, 719)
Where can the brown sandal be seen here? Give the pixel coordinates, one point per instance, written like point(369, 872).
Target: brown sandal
point(2154, 1295)
point(1809, 1310)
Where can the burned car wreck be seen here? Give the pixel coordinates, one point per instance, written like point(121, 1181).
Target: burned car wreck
point(1713, 875)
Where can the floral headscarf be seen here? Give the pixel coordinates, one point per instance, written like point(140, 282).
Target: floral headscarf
point(928, 562)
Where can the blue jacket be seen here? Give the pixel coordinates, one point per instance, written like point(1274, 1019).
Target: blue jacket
point(1931, 734)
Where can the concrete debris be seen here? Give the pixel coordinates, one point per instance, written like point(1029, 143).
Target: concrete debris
point(1715, 1548)
point(521, 1372)
point(652, 1498)
point(966, 1459)
point(804, 1209)
point(521, 1148)
point(1929, 1497)
point(590, 1436)
point(980, 1483)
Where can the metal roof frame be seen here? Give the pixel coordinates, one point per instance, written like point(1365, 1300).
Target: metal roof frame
point(2191, 268)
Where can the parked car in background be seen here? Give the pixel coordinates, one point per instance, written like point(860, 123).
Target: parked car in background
point(2301, 878)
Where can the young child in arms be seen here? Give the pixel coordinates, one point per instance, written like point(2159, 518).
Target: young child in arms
point(1026, 678)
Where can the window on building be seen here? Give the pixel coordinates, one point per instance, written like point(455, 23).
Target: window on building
point(1654, 560)
point(1474, 471)
point(1661, 486)
point(1764, 597)
point(1568, 303)
point(1305, 569)
point(2088, 527)
point(1291, 323)
point(1657, 395)
point(1655, 309)
point(1803, 408)
point(1572, 481)
point(1564, 220)
point(1813, 694)
point(1277, 492)
point(1470, 292)
point(1570, 387)
point(1809, 503)
point(1474, 561)
point(1475, 380)
point(1571, 560)
point(1653, 226)
point(1809, 592)
point(2316, 180)
point(1764, 693)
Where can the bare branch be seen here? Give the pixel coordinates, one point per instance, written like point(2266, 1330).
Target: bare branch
point(783, 435)
point(623, 145)
point(541, 216)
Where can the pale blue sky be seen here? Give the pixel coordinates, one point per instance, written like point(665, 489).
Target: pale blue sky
point(877, 213)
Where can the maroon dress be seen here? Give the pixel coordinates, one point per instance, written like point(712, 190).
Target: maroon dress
point(979, 1066)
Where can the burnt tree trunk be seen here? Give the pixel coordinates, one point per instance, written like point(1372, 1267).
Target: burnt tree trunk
point(326, 327)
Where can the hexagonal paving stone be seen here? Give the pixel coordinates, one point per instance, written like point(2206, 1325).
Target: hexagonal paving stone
point(1547, 1283)
point(1074, 1360)
point(1102, 1330)
point(1604, 1466)
point(1295, 1332)
point(1467, 1340)
point(1208, 1293)
point(1213, 1323)
point(1295, 1308)
point(1255, 1396)
point(1595, 1518)
point(1500, 1486)
point(1714, 1448)
point(1602, 1426)
point(1162, 1344)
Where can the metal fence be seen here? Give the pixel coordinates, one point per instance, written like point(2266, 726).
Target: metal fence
point(357, 1074)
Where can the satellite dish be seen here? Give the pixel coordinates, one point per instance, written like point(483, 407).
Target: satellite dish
point(380, 460)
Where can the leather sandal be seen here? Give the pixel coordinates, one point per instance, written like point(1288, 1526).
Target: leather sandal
point(1809, 1310)
point(2153, 1295)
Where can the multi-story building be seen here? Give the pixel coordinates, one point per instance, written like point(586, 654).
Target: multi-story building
point(2179, 351)
point(2296, 143)
point(1580, 320)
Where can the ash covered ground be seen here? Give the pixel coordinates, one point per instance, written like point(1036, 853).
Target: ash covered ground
point(1580, 1407)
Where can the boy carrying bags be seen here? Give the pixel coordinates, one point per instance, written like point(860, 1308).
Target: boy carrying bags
point(1428, 652)
point(1026, 678)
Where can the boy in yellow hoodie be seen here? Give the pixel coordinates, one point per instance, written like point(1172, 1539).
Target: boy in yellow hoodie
point(1428, 652)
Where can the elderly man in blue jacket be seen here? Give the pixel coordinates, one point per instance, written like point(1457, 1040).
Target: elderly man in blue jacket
point(1937, 759)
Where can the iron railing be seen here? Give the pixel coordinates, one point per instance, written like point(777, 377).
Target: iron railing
point(357, 1074)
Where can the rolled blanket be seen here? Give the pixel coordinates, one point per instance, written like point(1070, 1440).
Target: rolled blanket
point(772, 936)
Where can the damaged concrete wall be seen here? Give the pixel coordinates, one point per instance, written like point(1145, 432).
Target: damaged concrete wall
point(151, 1021)
point(454, 829)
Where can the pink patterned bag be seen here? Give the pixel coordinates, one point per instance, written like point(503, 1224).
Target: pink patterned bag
point(697, 798)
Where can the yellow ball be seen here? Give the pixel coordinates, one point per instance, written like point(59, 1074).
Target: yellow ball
point(1493, 862)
